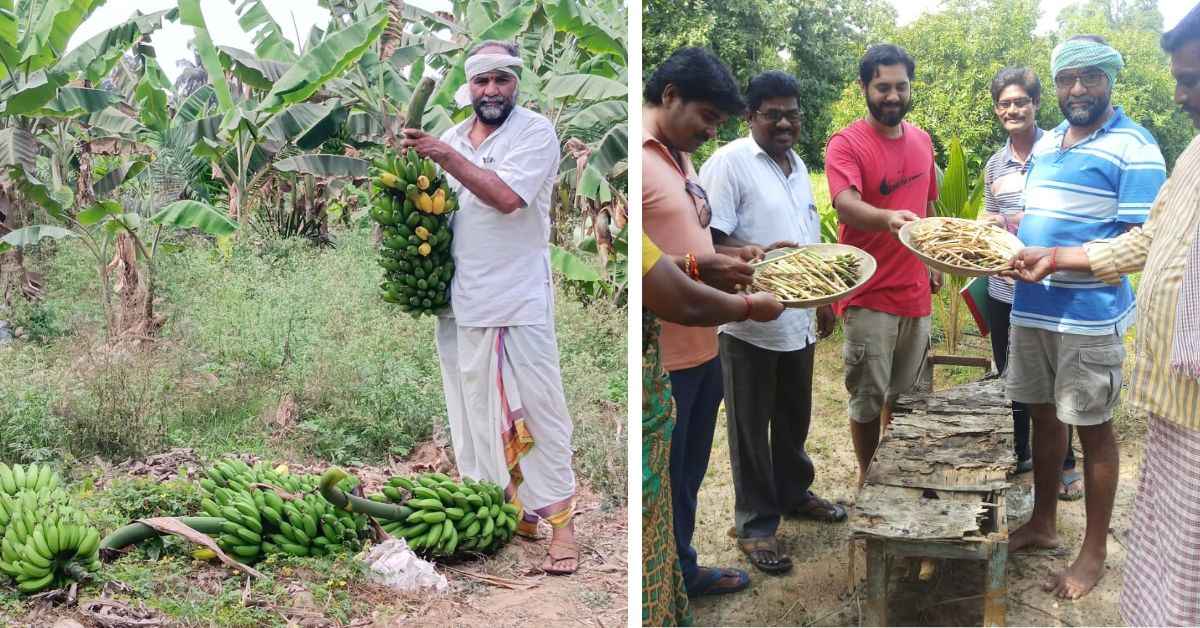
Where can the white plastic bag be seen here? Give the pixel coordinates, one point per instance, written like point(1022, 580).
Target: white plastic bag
point(392, 563)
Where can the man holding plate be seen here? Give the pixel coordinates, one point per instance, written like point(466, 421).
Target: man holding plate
point(759, 192)
point(882, 177)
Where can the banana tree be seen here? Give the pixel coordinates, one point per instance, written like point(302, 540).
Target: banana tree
point(100, 228)
point(275, 116)
point(958, 197)
point(43, 90)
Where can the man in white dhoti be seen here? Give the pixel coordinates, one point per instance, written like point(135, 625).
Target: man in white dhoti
point(508, 416)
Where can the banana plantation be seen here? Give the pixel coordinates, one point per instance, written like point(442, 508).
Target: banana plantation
point(220, 386)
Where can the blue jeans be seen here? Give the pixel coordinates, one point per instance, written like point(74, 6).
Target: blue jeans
point(697, 392)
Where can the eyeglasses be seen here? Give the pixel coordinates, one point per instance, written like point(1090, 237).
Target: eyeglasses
point(1089, 79)
point(1015, 102)
point(703, 211)
point(795, 116)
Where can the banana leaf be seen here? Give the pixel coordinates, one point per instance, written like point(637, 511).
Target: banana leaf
point(72, 102)
point(254, 71)
point(327, 60)
point(31, 235)
point(8, 37)
point(195, 215)
point(115, 179)
point(591, 35)
point(194, 106)
point(50, 31)
point(38, 192)
point(594, 119)
point(325, 166)
point(190, 15)
point(307, 125)
point(269, 42)
point(98, 212)
point(18, 147)
point(38, 90)
point(115, 121)
point(95, 58)
point(571, 267)
point(584, 87)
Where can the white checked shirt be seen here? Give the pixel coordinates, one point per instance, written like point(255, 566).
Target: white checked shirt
point(753, 201)
point(502, 261)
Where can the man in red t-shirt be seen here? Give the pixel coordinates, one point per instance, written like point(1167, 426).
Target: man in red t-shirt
point(881, 176)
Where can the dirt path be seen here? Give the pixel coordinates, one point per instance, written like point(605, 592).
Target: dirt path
point(815, 591)
point(595, 596)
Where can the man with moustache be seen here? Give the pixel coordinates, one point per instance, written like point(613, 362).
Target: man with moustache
point(882, 176)
point(499, 355)
point(685, 100)
point(1016, 93)
point(1094, 177)
point(761, 197)
point(1161, 573)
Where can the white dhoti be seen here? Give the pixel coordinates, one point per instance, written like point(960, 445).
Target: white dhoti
point(509, 422)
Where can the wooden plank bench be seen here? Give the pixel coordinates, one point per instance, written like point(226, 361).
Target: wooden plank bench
point(936, 489)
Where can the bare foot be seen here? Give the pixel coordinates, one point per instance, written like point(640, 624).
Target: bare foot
point(1032, 537)
point(1077, 580)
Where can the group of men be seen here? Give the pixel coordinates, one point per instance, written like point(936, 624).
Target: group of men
point(1081, 196)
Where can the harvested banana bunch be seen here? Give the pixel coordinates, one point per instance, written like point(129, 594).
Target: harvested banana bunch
point(964, 244)
point(803, 276)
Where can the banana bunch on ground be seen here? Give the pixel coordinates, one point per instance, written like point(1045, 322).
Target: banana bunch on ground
point(446, 519)
point(44, 542)
point(413, 203)
point(259, 521)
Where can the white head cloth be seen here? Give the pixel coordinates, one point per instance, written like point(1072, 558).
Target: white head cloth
point(478, 64)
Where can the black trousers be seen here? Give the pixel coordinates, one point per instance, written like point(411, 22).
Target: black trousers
point(999, 314)
point(768, 403)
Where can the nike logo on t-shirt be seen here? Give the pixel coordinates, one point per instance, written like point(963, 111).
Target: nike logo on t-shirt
point(886, 188)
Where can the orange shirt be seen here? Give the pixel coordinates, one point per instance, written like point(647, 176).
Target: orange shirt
point(671, 217)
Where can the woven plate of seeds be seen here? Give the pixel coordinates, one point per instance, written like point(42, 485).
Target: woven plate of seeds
point(960, 247)
point(813, 275)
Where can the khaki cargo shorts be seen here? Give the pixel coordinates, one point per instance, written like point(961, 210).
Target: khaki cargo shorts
point(884, 356)
point(1080, 375)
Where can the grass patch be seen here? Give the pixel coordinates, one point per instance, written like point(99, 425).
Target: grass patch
point(267, 321)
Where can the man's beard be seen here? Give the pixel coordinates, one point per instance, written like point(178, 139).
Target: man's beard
point(493, 112)
point(1087, 117)
point(890, 118)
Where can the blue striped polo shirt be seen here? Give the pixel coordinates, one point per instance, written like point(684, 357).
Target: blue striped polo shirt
point(1095, 189)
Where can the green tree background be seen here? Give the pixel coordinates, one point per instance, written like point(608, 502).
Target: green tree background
point(957, 49)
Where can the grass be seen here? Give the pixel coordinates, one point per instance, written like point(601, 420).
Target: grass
point(246, 328)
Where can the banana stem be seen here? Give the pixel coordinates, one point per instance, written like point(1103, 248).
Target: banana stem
point(352, 503)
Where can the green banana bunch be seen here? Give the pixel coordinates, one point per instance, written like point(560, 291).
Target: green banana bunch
point(258, 521)
point(34, 478)
point(446, 519)
point(45, 542)
point(412, 203)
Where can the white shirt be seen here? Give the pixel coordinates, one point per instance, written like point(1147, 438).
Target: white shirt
point(502, 261)
point(753, 201)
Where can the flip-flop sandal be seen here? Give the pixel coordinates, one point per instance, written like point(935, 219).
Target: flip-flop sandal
point(1068, 479)
point(567, 551)
point(817, 509)
point(764, 554)
point(708, 581)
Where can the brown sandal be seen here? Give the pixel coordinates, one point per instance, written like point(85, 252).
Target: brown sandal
point(765, 555)
point(567, 551)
